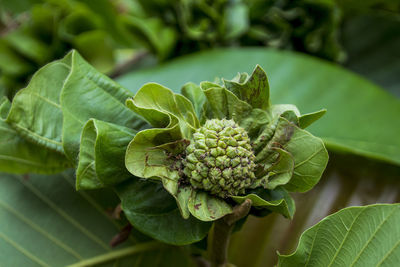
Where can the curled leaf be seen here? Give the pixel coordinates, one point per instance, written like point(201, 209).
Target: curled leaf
point(101, 155)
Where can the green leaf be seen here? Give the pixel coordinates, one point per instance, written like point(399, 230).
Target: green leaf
point(153, 211)
point(224, 104)
point(356, 236)
point(88, 94)
point(146, 157)
point(36, 111)
point(310, 158)
point(102, 155)
point(205, 207)
point(306, 120)
point(194, 93)
point(150, 155)
point(307, 151)
point(310, 84)
point(254, 90)
point(277, 200)
point(157, 103)
point(40, 225)
point(18, 155)
point(282, 169)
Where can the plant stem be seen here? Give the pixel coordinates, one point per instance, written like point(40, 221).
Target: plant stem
point(221, 233)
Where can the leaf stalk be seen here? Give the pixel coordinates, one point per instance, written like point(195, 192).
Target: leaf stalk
point(222, 230)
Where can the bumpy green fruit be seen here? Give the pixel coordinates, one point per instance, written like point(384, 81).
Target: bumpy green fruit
point(219, 159)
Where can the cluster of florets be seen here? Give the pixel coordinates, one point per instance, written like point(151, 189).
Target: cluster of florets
point(220, 159)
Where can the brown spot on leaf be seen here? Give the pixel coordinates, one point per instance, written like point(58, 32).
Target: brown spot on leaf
point(197, 206)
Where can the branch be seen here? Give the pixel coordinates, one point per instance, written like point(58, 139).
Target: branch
point(221, 234)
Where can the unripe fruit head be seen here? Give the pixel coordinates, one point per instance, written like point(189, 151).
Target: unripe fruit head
point(220, 159)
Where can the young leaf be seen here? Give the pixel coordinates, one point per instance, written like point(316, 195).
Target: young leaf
point(355, 236)
point(102, 154)
point(153, 211)
point(156, 103)
point(277, 200)
point(194, 93)
point(254, 90)
point(206, 207)
point(306, 120)
point(225, 104)
point(147, 156)
point(144, 156)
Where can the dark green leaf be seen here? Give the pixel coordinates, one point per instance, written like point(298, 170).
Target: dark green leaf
point(152, 210)
point(40, 225)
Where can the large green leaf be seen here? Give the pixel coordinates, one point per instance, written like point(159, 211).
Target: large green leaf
point(152, 210)
point(36, 111)
point(17, 155)
point(309, 83)
point(356, 236)
point(88, 94)
point(371, 52)
point(45, 222)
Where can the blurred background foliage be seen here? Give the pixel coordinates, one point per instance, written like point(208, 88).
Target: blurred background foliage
point(112, 35)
